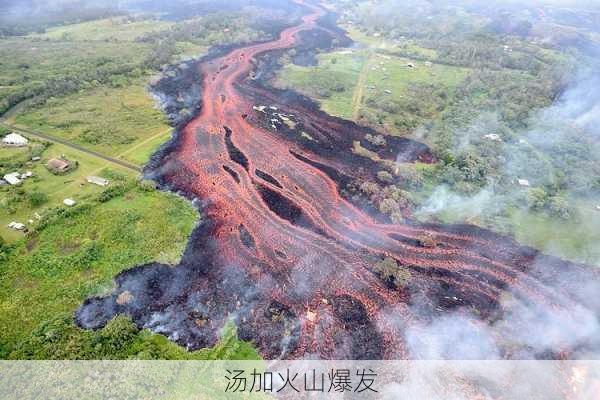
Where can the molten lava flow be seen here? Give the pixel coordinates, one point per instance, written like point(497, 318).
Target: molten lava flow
point(290, 260)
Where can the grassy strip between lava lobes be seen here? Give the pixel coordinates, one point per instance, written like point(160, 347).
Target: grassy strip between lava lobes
point(76, 253)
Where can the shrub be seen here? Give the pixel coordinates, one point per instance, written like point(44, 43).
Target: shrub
point(370, 188)
point(114, 175)
point(392, 273)
point(385, 177)
point(537, 199)
point(389, 206)
point(37, 199)
point(410, 177)
point(111, 193)
point(4, 131)
point(559, 207)
point(146, 185)
point(377, 140)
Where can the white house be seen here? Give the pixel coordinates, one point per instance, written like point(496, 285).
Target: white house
point(524, 182)
point(96, 180)
point(69, 202)
point(493, 136)
point(14, 139)
point(13, 178)
point(16, 226)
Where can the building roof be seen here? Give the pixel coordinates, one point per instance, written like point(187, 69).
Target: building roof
point(58, 164)
point(13, 178)
point(524, 182)
point(97, 180)
point(15, 138)
point(17, 226)
point(493, 136)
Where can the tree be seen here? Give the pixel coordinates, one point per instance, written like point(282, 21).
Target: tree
point(377, 140)
point(385, 177)
point(559, 207)
point(537, 199)
point(392, 273)
point(389, 206)
point(370, 188)
point(409, 176)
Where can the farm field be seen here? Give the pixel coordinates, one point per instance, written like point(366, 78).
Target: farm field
point(374, 87)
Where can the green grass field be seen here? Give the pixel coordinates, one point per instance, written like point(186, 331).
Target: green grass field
point(112, 121)
point(374, 88)
point(575, 239)
point(109, 29)
point(26, 63)
point(48, 275)
point(330, 83)
point(57, 187)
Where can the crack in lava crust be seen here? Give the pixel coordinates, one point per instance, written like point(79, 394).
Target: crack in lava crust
point(299, 282)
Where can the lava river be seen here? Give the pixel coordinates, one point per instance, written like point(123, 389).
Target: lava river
point(290, 261)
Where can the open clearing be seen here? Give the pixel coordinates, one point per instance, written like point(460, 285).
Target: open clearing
point(109, 29)
point(107, 120)
point(374, 87)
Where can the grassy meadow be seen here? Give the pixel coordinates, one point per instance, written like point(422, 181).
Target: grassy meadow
point(110, 29)
point(576, 239)
point(111, 121)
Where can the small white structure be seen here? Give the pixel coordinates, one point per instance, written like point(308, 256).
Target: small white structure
point(26, 175)
point(96, 180)
point(69, 202)
point(14, 139)
point(13, 178)
point(36, 158)
point(17, 226)
point(524, 183)
point(493, 136)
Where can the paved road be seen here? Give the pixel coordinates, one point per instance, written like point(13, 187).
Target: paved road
point(122, 163)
